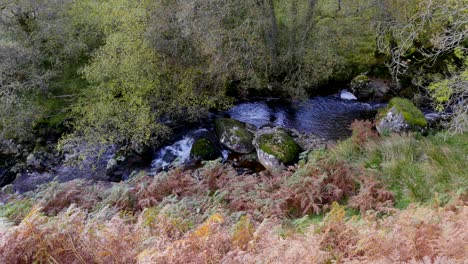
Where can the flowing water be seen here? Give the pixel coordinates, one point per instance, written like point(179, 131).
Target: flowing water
point(327, 117)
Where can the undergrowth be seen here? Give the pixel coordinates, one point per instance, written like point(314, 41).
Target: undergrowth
point(337, 206)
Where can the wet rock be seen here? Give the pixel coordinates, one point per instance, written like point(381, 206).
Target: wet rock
point(275, 148)
point(234, 135)
point(308, 141)
point(365, 88)
point(40, 161)
point(246, 163)
point(115, 167)
point(360, 86)
point(204, 149)
point(28, 181)
point(381, 89)
point(437, 120)
point(345, 95)
point(401, 115)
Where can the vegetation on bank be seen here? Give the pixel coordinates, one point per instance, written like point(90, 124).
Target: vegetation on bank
point(358, 201)
point(127, 72)
point(81, 74)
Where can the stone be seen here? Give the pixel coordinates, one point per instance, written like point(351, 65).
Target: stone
point(234, 135)
point(10, 148)
point(39, 161)
point(401, 115)
point(345, 95)
point(365, 88)
point(116, 167)
point(8, 189)
point(204, 149)
point(360, 86)
point(276, 148)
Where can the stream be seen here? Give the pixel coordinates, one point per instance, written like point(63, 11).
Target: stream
point(326, 117)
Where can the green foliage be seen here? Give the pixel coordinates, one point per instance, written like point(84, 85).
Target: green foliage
point(451, 91)
point(16, 210)
point(132, 87)
point(131, 69)
point(54, 48)
point(20, 82)
point(414, 168)
point(426, 41)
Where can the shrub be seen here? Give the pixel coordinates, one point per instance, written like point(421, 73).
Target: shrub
point(362, 132)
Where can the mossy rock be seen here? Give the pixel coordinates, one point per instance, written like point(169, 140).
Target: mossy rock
point(360, 79)
point(281, 145)
point(234, 135)
point(276, 148)
point(410, 112)
point(204, 149)
point(400, 115)
point(361, 87)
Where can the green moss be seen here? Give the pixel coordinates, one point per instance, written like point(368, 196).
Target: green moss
point(281, 145)
point(360, 79)
point(410, 112)
point(223, 124)
point(203, 149)
point(234, 131)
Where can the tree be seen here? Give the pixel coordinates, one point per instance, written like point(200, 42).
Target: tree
point(19, 83)
point(427, 44)
point(43, 47)
point(134, 89)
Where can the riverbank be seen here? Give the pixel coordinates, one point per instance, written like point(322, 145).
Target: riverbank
point(320, 210)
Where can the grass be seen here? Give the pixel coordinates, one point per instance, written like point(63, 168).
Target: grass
point(414, 167)
point(369, 199)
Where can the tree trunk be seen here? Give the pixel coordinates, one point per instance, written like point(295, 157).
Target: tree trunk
point(271, 32)
point(309, 23)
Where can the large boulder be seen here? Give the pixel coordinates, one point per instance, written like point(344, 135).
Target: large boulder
point(401, 115)
point(345, 95)
point(234, 135)
point(204, 149)
point(276, 148)
point(365, 88)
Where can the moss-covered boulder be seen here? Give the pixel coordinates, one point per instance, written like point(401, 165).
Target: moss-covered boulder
point(204, 149)
point(234, 135)
point(365, 88)
point(400, 115)
point(361, 88)
point(276, 148)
